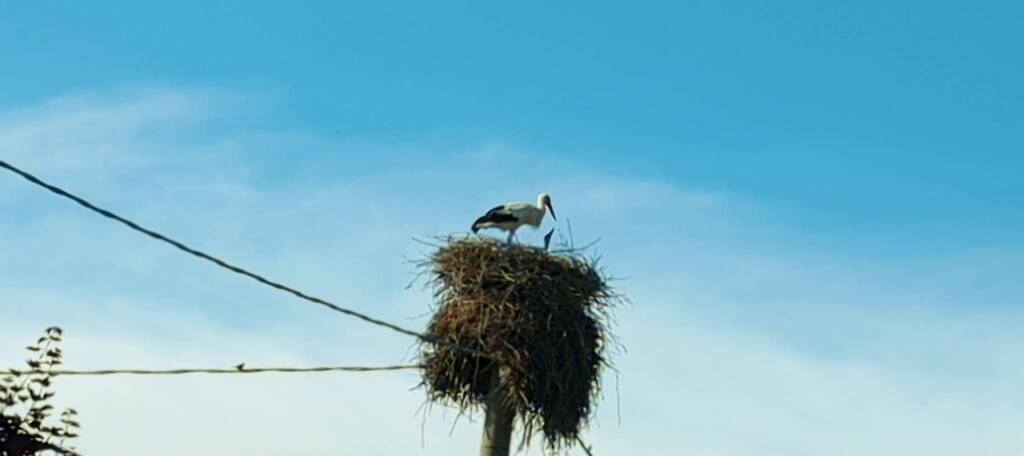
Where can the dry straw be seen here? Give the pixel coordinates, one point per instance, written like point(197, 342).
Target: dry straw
point(543, 315)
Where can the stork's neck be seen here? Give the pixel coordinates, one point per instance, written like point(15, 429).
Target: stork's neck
point(540, 203)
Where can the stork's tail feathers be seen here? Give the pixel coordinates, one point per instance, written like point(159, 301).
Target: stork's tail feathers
point(478, 224)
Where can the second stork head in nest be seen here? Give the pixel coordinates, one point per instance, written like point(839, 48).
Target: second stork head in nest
point(511, 216)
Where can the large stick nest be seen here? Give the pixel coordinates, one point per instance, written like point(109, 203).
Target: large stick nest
point(543, 316)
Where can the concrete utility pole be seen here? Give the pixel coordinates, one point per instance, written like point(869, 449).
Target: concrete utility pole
point(498, 420)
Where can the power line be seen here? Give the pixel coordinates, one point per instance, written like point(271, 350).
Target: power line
point(211, 258)
point(236, 269)
point(586, 448)
point(239, 369)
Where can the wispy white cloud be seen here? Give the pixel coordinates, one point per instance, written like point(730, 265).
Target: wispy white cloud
point(742, 340)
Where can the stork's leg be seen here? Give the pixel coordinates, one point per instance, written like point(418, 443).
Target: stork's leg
point(510, 234)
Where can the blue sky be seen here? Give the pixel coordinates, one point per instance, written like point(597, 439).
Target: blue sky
point(889, 114)
point(817, 210)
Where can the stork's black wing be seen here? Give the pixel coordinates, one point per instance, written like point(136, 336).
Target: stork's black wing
point(495, 215)
point(496, 210)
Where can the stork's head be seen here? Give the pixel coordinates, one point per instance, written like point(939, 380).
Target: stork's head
point(544, 200)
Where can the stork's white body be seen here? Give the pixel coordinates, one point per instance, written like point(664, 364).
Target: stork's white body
point(510, 217)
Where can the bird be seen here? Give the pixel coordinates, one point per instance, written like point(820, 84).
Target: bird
point(511, 216)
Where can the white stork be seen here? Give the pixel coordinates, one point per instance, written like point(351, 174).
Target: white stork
point(511, 216)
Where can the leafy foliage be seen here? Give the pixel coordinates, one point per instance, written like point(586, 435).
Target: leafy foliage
point(26, 424)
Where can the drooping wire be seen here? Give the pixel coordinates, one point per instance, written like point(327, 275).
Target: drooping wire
point(219, 262)
point(239, 369)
